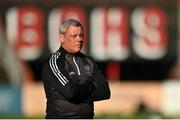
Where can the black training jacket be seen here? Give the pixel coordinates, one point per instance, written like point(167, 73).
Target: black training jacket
point(72, 82)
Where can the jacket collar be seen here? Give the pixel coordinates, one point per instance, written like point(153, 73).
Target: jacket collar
point(66, 52)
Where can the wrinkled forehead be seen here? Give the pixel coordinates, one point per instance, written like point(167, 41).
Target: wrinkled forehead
point(74, 29)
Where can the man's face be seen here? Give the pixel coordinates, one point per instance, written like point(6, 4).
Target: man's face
point(72, 40)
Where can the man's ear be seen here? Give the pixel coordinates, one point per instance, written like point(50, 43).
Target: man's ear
point(61, 38)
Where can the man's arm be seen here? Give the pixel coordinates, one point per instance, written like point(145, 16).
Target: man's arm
point(102, 90)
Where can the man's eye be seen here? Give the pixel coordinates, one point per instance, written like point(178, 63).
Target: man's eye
point(81, 35)
point(73, 36)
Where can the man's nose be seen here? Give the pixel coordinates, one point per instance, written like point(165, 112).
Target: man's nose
point(79, 38)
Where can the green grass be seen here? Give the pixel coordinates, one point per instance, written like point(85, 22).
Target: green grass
point(139, 115)
point(17, 116)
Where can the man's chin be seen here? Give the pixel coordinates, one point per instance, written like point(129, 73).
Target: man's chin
point(77, 50)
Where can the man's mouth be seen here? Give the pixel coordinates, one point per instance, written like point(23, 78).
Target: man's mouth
point(78, 45)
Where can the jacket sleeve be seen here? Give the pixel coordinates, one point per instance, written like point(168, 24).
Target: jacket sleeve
point(102, 90)
point(55, 77)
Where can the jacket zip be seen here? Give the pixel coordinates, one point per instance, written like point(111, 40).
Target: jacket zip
point(76, 65)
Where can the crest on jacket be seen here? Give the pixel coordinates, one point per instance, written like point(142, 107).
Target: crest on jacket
point(87, 70)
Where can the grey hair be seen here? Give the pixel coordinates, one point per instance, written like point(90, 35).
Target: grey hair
point(67, 23)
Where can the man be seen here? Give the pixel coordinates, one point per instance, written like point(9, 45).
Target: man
point(72, 80)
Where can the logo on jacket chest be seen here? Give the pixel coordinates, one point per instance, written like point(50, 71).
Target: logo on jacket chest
point(87, 70)
point(72, 73)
